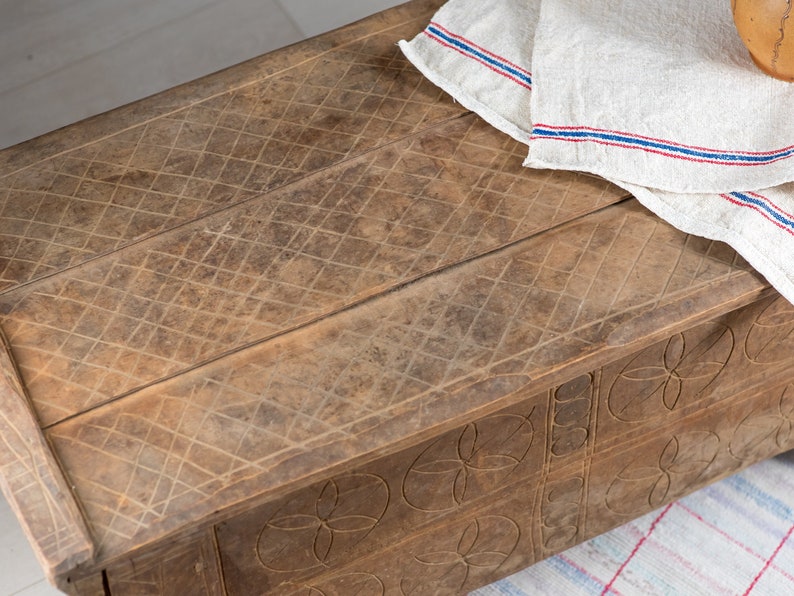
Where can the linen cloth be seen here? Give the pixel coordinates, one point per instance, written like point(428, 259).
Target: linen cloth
point(662, 99)
point(659, 94)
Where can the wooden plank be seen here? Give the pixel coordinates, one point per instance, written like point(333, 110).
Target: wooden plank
point(33, 483)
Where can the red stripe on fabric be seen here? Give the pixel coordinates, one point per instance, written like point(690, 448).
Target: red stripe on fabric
point(658, 152)
point(482, 49)
point(665, 141)
point(585, 572)
point(720, 531)
point(768, 201)
point(496, 70)
point(608, 587)
point(769, 560)
point(731, 539)
point(761, 212)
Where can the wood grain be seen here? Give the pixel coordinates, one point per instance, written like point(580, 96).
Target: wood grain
point(33, 483)
point(309, 327)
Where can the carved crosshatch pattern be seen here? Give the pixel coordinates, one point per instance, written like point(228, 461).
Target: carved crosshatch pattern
point(213, 153)
point(32, 483)
point(683, 461)
point(190, 568)
point(280, 261)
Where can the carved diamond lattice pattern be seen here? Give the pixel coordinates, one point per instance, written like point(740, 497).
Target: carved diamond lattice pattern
point(94, 199)
point(279, 261)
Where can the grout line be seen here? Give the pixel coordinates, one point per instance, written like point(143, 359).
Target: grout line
point(40, 581)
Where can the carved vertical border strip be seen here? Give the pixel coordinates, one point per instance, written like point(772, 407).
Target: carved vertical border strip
point(562, 510)
point(571, 412)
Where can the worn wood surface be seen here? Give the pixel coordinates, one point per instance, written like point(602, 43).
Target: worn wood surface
point(308, 326)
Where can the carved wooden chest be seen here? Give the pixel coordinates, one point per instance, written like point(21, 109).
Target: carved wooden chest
point(307, 326)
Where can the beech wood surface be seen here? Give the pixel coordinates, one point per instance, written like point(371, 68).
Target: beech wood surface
point(308, 326)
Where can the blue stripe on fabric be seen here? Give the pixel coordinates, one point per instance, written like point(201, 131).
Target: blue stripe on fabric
point(765, 207)
point(761, 498)
point(573, 573)
point(506, 587)
point(481, 55)
point(651, 144)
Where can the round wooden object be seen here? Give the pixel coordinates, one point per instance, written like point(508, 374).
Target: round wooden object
point(767, 29)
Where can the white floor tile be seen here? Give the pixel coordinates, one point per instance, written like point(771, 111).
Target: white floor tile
point(317, 16)
point(79, 80)
point(19, 569)
point(41, 588)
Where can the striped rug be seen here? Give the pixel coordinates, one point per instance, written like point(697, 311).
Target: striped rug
point(734, 537)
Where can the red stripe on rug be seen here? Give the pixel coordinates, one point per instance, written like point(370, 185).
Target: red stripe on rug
point(769, 560)
point(719, 531)
point(608, 587)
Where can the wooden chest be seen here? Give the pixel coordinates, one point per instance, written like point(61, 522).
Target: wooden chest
point(307, 326)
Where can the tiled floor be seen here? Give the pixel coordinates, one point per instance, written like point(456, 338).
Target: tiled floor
point(20, 573)
point(65, 60)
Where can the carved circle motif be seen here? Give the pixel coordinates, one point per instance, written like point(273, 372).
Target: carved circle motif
point(762, 435)
point(482, 547)
point(348, 584)
point(771, 337)
point(467, 463)
point(682, 461)
point(678, 370)
point(314, 528)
